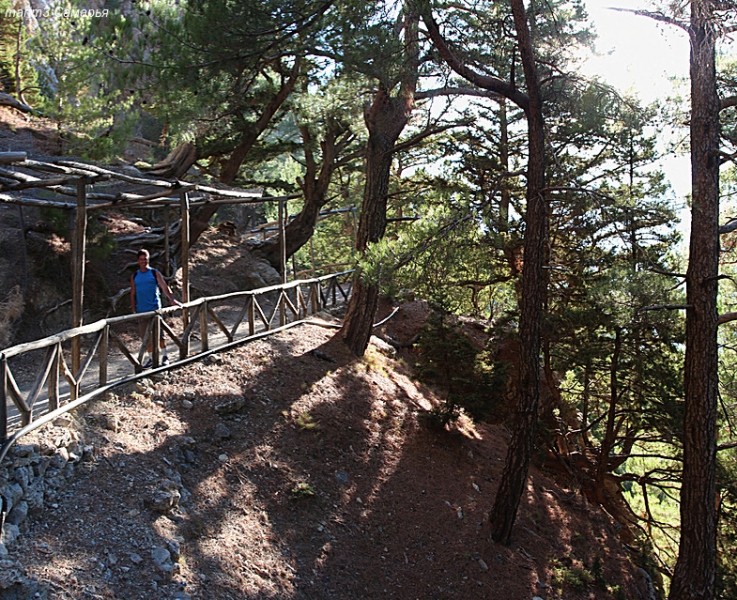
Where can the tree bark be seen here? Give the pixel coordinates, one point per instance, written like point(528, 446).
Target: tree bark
point(314, 187)
point(695, 571)
point(519, 452)
point(385, 121)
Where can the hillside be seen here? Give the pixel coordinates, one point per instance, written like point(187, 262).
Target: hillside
point(289, 469)
point(284, 469)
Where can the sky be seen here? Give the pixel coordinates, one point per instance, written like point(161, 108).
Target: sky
point(640, 55)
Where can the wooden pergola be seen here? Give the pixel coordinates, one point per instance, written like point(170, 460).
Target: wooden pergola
point(82, 187)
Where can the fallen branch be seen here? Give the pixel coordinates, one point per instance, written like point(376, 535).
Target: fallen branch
point(8, 100)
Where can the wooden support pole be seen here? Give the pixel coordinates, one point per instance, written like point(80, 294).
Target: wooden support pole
point(79, 235)
point(4, 401)
point(104, 347)
point(283, 245)
point(204, 339)
point(156, 335)
point(54, 378)
point(184, 204)
point(167, 268)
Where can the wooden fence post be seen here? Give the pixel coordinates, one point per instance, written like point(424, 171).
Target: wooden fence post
point(78, 260)
point(4, 401)
point(104, 347)
point(156, 335)
point(204, 340)
point(184, 204)
point(167, 258)
point(283, 245)
point(54, 378)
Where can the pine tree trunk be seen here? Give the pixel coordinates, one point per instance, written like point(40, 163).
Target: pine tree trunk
point(385, 121)
point(519, 452)
point(694, 575)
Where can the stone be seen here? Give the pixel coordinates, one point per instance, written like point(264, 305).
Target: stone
point(174, 549)
point(23, 476)
point(221, 432)
point(12, 495)
point(163, 500)
point(60, 459)
point(135, 558)
point(160, 556)
point(18, 514)
point(112, 423)
point(24, 450)
point(10, 534)
point(188, 404)
point(43, 464)
point(231, 406)
point(385, 348)
point(187, 442)
point(35, 495)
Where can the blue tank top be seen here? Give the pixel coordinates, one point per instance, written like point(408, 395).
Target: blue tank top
point(147, 291)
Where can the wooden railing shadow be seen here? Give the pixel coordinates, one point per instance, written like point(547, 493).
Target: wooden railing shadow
point(215, 322)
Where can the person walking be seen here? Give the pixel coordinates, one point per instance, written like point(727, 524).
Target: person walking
point(146, 286)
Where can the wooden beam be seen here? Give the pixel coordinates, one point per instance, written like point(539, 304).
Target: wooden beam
point(7, 158)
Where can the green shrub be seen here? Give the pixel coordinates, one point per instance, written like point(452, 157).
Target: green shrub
point(470, 381)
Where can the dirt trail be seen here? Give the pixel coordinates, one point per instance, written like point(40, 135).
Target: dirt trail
point(323, 483)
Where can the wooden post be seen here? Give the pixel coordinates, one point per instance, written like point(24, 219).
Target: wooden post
point(283, 245)
point(54, 378)
point(204, 340)
point(79, 235)
point(4, 401)
point(167, 269)
point(184, 203)
point(104, 346)
point(156, 335)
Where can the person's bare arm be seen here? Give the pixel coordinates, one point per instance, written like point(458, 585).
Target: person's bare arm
point(133, 294)
point(163, 285)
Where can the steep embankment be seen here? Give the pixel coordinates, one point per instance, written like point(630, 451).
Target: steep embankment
point(290, 469)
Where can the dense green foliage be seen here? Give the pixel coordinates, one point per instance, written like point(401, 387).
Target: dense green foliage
point(468, 378)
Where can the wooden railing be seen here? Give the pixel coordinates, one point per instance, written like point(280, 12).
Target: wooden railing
point(256, 313)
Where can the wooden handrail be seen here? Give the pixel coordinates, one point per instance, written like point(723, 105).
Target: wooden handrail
point(97, 326)
point(55, 366)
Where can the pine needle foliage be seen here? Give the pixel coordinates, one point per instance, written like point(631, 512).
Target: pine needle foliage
point(470, 381)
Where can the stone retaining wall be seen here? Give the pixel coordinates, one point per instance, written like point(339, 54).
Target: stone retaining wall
point(33, 472)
